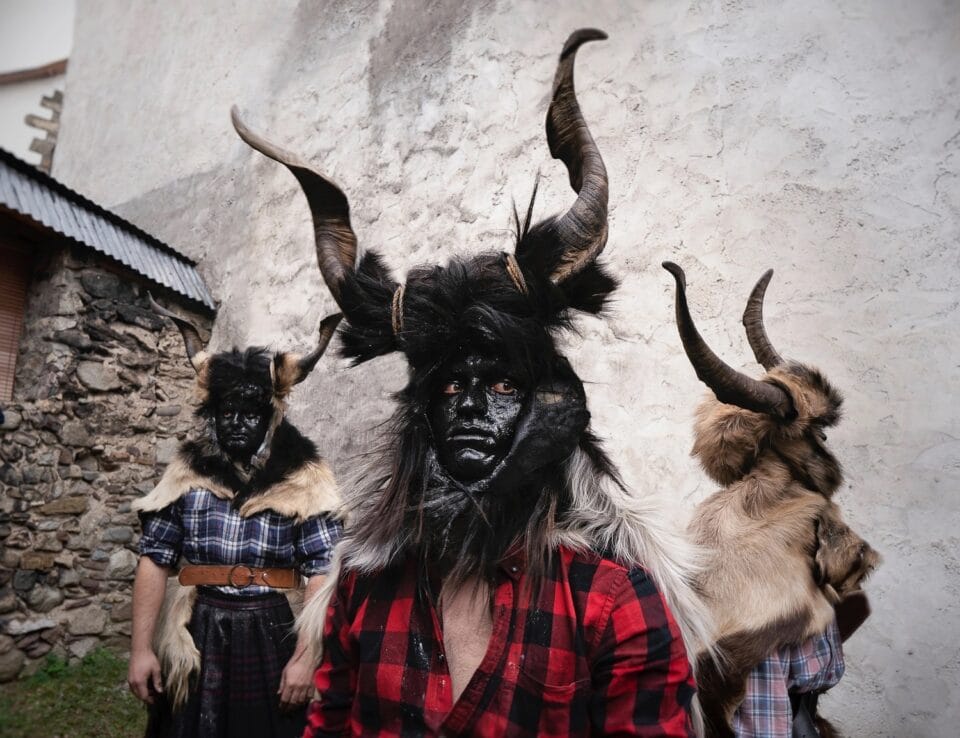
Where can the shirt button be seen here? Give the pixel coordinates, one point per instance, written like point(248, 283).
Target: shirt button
point(514, 569)
point(441, 658)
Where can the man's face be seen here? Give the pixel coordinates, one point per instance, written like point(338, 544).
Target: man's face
point(474, 414)
point(241, 420)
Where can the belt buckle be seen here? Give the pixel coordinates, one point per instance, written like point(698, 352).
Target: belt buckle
point(241, 585)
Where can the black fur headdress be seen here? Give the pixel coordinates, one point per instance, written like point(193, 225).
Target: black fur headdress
point(267, 380)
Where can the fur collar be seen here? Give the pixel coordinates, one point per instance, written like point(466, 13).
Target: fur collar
point(295, 482)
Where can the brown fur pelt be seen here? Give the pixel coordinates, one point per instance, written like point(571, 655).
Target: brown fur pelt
point(782, 554)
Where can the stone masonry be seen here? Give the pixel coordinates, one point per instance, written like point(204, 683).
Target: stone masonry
point(102, 395)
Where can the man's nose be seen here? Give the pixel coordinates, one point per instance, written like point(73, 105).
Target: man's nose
point(473, 400)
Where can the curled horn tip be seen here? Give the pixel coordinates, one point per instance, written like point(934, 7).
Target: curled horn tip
point(579, 37)
point(677, 273)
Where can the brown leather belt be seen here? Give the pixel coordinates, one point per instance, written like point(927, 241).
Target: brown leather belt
point(239, 576)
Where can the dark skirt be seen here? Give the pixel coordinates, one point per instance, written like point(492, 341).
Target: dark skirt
point(244, 644)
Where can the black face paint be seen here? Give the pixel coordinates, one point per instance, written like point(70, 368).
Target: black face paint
point(474, 414)
point(241, 420)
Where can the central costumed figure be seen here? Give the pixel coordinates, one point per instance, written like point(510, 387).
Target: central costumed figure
point(496, 577)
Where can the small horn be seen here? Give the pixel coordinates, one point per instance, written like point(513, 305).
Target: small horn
point(763, 350)
point(289, 369)
point(582, 230)
point(335, 240)
point(327, 327)
point(729, 385)
point(191, 336)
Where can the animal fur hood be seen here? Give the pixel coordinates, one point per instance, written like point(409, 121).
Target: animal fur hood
point(728, 440)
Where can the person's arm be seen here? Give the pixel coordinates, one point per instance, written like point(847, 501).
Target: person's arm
point(160, 546)
point(642, 681)
point(149, 587)
point(313, 549)
point(296, 682)
point(336, 678)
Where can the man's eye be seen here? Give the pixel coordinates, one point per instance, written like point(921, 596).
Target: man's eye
point(450, 388)
point(504, 387)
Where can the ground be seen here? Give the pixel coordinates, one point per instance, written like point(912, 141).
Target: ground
point(88, 699)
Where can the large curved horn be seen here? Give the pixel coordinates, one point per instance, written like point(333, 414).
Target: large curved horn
point(763, 350)
point(729, 385)
point(335, 240)
point(582, 231)
point(196, 349)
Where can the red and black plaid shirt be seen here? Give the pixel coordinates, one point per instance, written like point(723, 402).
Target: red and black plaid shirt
point(597, 653)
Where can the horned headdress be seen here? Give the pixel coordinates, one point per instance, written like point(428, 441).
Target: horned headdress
point(513, 304)
point(783, 557)
point(523, 295)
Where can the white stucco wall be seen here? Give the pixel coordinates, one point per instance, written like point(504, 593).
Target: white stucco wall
point(819, 138)
point(32, 33)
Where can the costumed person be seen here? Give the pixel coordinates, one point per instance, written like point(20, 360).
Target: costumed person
point(248, 508)
point(497, 578)
point(785, 574)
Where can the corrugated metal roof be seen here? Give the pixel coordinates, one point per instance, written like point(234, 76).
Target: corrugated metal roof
point(35, 195)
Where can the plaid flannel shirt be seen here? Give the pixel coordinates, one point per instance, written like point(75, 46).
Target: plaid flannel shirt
point(813, 666)
point(597, 653)
point(206, 529)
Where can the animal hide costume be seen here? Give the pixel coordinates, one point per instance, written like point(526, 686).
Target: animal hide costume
point(436, 511)
point(280, 495)
point(783, 557)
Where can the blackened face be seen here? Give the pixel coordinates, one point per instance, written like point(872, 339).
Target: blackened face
point(473, 415)
point(241, 421)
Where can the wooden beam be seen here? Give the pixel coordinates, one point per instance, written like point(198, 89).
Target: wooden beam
point(52, 69)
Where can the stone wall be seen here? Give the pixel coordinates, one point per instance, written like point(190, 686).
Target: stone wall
point(819, 138)
point(102, 394)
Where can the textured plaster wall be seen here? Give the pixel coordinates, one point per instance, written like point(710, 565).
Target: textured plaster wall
point(820, 138)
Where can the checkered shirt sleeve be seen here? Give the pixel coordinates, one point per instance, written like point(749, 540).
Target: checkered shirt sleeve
point(162, 539)
point(813, 666)
point(313, 544)
point(642, 681)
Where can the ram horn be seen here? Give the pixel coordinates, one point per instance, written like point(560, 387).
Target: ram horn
point(335, 240)
point(582, 230)
point(196, 349)
point(763, 350)
point(729, 385)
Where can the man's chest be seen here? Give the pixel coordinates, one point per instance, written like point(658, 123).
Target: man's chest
point(497, 665)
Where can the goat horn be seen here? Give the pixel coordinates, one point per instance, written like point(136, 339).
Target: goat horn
point(729, 385)
point(327, 327)
point(582, 230)
point(191, 336)
point(763, 350)
point(335, 240)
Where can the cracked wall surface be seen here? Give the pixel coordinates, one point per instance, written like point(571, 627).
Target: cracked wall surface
point(819, 138)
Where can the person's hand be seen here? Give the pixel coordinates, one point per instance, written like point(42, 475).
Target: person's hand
point(296, 683)
point(143, 676)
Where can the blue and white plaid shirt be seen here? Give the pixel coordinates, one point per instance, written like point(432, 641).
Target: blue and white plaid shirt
point(205, 529)
point(813, 666)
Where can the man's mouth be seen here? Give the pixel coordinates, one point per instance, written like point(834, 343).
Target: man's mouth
point(471, 437)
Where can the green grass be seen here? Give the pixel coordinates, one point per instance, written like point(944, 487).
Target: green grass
point(88, 699)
